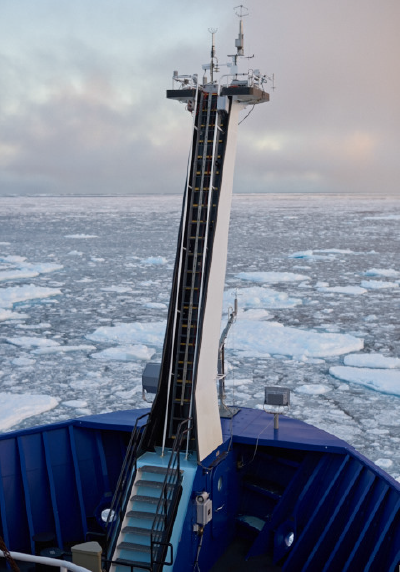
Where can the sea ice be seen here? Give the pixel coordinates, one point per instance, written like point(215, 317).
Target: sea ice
point(29, 342)
point(383, 217)
point(23, 362)
point(254, 314)
point(125, 353)
point(8, 315)
point(157, 260)
point(309, 254)
point(259, 297)
point(50, 349)
point(75, 403)
point(378, 284)
point(117, 289)
point(8, 275)
point(373, 360)
point(81, 236)
point(15, 407)
point(151, 333)
point(382, 380)
point(271, 277)
point(387, 273)
point(261, 338)
point(352, 290)
point(14, 294)
point(384, 463)
point(313, 389)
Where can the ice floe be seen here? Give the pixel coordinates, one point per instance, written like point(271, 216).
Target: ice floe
point(16, 407)
point(81, 236)
point(268, 338)
point(32, 342)
point(271, 277)
point(378, 284)
point(313, 389)
point(9, 315)
point(351, 290)
point(18, 269)
point(63, 349)
point(309, 255)
point(155, 305)
point(383, 217)
point(8, 275)
point(117, 289)
point(157, 260)
point(382, 380)
point(372, 360)
point(387, 273)
point(151, 333)
point(23, 362)
point(125, 353)
point(75, 403)
point(259, 297)
point(15, 294)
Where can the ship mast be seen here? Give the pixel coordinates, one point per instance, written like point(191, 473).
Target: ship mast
point(187, 384)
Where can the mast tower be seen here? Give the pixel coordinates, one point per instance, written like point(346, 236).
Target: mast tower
point(187, 382)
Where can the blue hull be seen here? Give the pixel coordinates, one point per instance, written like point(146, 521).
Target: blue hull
point(291, 499)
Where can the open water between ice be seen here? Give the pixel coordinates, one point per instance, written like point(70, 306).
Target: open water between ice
point(85, 285)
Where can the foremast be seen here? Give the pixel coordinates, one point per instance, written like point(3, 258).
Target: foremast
point(187, 384)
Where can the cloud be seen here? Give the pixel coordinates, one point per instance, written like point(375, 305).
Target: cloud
point(82, 92)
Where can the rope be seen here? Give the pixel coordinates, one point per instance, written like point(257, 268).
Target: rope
point(8, 556)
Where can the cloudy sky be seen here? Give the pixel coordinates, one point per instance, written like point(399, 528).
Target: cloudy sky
point(83, 108)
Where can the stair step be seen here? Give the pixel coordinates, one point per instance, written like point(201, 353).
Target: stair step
point(159, 470)
point(134, 547)
point(136, 530)
point(134, 565)
point(143, 514)
point(152, 484)
point(251, 521)
point(145, 499)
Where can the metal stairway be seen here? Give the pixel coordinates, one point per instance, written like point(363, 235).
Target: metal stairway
point(141, 535)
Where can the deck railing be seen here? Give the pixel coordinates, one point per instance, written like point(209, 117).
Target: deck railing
point(63, 565)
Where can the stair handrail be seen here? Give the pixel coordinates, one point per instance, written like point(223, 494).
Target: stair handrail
point(167, 505)
point(124, 485)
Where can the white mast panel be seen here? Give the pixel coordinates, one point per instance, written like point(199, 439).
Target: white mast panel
point(209, 434)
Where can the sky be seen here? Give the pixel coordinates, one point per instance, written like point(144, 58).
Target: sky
point(83, 107)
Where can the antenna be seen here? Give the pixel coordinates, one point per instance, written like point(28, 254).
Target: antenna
point(240, 11)
point(243, 11)
point(213, 66)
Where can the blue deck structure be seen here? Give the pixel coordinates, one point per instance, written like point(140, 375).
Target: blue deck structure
point(265, 485)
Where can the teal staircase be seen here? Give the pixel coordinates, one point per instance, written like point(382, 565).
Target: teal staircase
point(139, 543)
